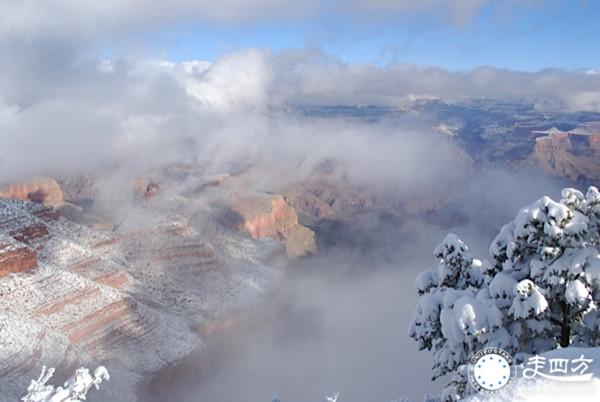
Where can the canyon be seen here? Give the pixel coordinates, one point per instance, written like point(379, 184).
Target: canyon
point(84, 285)
point(71, 294)
point(134, 272)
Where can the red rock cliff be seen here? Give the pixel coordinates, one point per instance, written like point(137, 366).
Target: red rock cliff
point(43, 190)
point(267, 215)
point(15, 257)
point(554, 154)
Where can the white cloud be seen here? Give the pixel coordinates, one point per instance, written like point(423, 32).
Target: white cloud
point(139, 114)
point(75, 20)
point(328, 81)
point(72, 18)
point(237, 80)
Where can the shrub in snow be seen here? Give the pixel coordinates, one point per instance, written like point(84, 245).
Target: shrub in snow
point(539, 290)
point(74, 389)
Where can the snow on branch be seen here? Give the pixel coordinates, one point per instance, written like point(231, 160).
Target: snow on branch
point(539, 289)
point(75, 389)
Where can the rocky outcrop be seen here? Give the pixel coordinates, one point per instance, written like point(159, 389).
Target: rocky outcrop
point(594, 143)
point(571, 155)
point(266, 215)
point(299, 241)
point(15, 256)
point(27, 227)
point(146, 186)
point(43, 190)
point(269, 215)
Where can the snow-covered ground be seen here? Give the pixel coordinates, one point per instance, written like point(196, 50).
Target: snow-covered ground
point(127, 299)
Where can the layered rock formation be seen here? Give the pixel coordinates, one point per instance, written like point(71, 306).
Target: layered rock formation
point(570, 154)
point(127, 298)
point(43, 190)
point(15, 256)
point(269, 215)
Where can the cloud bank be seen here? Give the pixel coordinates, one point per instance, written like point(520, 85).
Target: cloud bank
point(136, 112)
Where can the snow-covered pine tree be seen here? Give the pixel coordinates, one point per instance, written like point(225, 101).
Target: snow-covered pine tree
point(539, 291)
point(554, 246)
point(453, 317)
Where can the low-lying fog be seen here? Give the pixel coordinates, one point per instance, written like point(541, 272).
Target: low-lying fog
point(339, 320)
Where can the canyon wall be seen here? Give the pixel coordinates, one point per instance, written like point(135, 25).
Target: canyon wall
point(15, 256)
point(270, 215)
point(572, 156)
point(45, 190)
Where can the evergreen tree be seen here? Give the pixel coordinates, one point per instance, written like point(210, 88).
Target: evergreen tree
point(539, 291)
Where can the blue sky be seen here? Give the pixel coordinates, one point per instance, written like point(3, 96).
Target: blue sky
point(551, 33)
